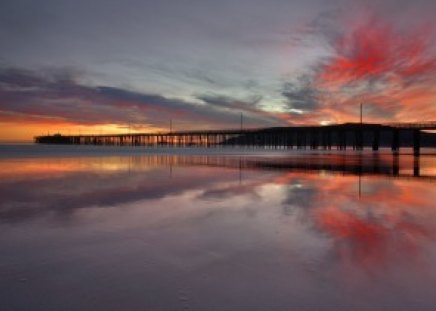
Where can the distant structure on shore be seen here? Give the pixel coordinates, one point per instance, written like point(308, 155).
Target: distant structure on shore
point(340, 136)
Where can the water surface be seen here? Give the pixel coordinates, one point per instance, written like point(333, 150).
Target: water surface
point(126, 230)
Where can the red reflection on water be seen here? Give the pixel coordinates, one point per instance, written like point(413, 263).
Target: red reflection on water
point(387, 217)
point(366, 240)
point(388, 220)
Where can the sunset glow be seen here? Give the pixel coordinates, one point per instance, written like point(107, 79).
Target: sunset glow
point(315, 68)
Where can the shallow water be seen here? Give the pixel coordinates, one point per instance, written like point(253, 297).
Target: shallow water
point(81, 229)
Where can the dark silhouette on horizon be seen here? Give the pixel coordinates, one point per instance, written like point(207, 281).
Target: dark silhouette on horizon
point(339, 136)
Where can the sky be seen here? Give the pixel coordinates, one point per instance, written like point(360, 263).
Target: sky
point(112, 66)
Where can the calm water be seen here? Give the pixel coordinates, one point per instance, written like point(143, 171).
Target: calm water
point(82, 229)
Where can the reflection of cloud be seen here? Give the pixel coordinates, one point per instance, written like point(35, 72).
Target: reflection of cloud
point(391, 216)
point(228, 191)
point(300, 194)
point(371, 242)
point(384, 224)
point(63, 192)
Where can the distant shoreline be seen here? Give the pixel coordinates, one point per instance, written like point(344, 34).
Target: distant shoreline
point(17, 142)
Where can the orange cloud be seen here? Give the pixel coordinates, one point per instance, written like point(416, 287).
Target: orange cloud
point(389, 69)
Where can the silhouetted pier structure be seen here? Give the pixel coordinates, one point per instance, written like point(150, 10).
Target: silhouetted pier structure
point(341, 136)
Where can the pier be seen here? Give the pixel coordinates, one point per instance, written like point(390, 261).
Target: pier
point(356, 136)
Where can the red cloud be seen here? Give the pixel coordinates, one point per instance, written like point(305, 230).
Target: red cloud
point(391, 69)
point(374, 49)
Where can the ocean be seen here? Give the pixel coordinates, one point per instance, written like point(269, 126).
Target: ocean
point(131, 228)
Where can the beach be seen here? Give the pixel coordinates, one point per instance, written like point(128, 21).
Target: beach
point(160, 230)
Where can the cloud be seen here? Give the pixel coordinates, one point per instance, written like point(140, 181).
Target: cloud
point(375, 60)
point(202, 72)
point(375, 50)
point(251, 109)
point(57, 95)
point(301, 95)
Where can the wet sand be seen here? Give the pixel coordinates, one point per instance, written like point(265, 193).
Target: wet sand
point(263, 231)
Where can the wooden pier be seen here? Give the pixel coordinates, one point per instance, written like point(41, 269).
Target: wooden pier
point(341, 136)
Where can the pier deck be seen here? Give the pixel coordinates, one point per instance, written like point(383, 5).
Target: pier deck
point(340, 136)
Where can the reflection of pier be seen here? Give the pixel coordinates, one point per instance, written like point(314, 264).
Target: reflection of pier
point(376, 169)
point(351, 135)
point(387, 166)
